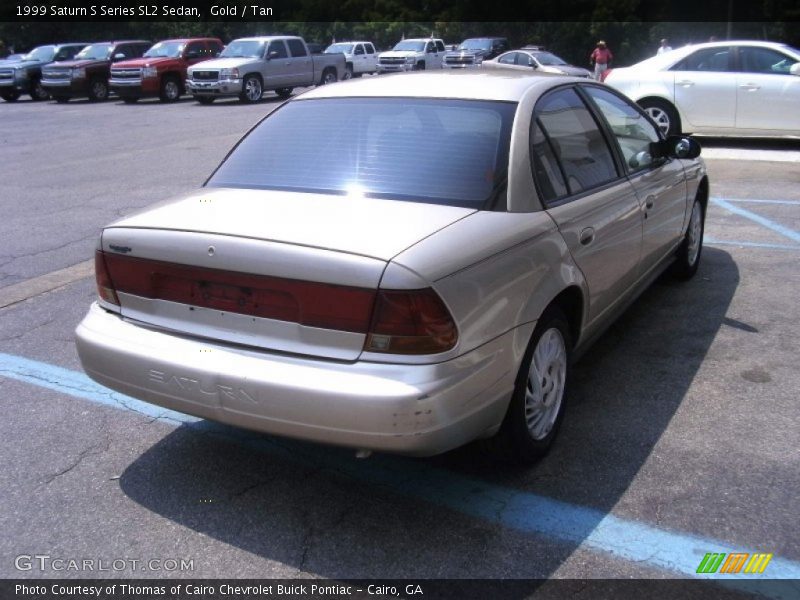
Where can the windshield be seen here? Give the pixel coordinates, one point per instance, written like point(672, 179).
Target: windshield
point(547, 59)
point(476, 44)
point(243, 49)
point(409, 45)
point(165, 50)
point(339, 49)
point(440, 151)
point(43, 53)
point(95, 52)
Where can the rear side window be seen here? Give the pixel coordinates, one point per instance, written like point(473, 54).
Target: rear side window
point(440, 46)
point(452, 152)
point(577, 142)
point(297, 48)
point(370, 49)
point(764, 60)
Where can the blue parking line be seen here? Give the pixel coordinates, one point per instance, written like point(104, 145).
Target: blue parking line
point(763, 221)
point(755, 201)
point(715, 242)
point(526, 512)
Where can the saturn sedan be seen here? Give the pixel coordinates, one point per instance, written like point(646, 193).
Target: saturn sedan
point(719, 88)
point(403, 264)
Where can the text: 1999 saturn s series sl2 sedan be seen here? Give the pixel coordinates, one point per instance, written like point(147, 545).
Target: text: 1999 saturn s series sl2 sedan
point(402, 264)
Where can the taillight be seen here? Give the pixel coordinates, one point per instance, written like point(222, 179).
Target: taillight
point(310, 303)
point(410, 322)
point(105, 287)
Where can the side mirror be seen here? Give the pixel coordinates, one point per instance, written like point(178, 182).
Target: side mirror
point(192, 54)
point(795, 69)
point(119, 56)
point(272, 54)
point(679, 146)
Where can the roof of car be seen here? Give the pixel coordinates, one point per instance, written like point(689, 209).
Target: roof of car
point(496, 84)
point(191, 39)
point(264, 38)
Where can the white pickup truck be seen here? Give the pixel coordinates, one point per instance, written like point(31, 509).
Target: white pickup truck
point(412, 55)
point(360, 57)
point(249, 66)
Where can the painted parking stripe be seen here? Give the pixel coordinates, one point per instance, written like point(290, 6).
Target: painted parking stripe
point(763, 221)
point(757, 201)
point(523, 511)
point(715, 242)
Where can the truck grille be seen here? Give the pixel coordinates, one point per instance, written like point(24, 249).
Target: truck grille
point(57, 74)
point(459, 60)
point(126, 73)
point(205, 75)
point(6, 74)
point(392, 60)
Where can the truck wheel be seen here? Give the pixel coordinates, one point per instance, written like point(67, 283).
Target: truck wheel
point(130, 100)
point(61, 99)
point(205, 99)
point(420, 66)
point(252, 89)
point(329, 76)
point(98, 90)
point(348, 73)
point(170, 89)
point(38, 92)
point(284, 93)
point(10, 96)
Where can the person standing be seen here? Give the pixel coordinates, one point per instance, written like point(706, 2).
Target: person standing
point(600, 57)
point(664, 47)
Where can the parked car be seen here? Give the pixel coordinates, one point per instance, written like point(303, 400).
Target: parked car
point(473, 51)
point(162, 69)
point(249, 66)
point(88, 73)
point(412, 55)
point(538, 59)
point(740, 88)
point(360, 57)
point(23, 75)
point(333, 283)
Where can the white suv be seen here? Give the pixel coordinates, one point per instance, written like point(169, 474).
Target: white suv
point(412, 55)
point(360, 57)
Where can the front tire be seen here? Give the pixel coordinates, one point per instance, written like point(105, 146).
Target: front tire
point(420, 66)
point(663, 114)
point(206, 100)
point(688, 257)
point(329, 76)
point(130, 100)
point(348, 73)
point(38, 93)
point(253, 91)
point(61, 99)
point(10, 96)
point(170, 90)
point(537, 406)
point(98, 90)
point(284, 93)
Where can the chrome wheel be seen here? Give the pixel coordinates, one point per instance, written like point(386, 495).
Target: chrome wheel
point(253, 90)
point(171, 90)
point(661, 118)
point(546, 382)
point(99, 91)
point(694, 234)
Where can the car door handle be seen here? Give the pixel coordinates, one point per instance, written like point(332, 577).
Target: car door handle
point(685, 83)
point(749, 86)
point(587, 236)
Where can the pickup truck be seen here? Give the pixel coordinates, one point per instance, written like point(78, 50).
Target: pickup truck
point(24, 75)
point(162, 70)
point(249, 66)
point(360, 57)
point(412, 55)
point(88, 73)
point(473, 51)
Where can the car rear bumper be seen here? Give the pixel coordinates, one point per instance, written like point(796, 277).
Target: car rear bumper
point(409, 409)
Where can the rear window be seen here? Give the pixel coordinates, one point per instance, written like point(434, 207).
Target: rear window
point(452, 152)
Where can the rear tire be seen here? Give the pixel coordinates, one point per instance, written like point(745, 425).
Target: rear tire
point(38, 93)
point(664, 115)
point(688, 257)
point(98, 90)
point(61, 99)
point(10, 96)
point(537, 405)
point(130, 100)
point(284, 93)
point(170, 89)
point(328, 76)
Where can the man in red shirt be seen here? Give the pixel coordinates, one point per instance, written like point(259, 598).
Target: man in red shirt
point(600, 57)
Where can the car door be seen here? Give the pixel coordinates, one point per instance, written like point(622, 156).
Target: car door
point(301, 69)
point(768, 96)
point(660, 183)
point(509, 59)
point(590, 199)
point(705, 88)
point(195, 52)
point(370, 58)
point(278, 69)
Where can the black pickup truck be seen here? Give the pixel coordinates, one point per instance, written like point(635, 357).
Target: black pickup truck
point(88, 73)
point(24, 74)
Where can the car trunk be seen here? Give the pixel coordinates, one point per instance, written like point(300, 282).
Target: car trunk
point(282, 271)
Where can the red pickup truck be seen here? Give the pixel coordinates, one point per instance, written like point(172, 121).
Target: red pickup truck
point(162, 69)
